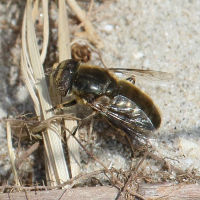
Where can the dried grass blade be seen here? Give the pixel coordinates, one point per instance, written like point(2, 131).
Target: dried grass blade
point(92, 35)
point(45, 30)
point(64, 53)
point(11, 154)
point(55, 157)
point(27, 74)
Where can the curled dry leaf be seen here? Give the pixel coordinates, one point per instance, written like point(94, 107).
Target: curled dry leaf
point(81, 53)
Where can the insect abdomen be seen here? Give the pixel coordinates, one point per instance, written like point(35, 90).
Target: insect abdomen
point(142, 100)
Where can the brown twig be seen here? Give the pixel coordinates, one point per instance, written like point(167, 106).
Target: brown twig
point(80, 176)
point(167, 164)
point(108, 171)
point(133, 174)
point(21, 159)
point(156, 191)
point(86, 17)
point(90, 32)
point(26, 154)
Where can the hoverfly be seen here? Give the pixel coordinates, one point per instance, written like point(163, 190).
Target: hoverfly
point(123, 104)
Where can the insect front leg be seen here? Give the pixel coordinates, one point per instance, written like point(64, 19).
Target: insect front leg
point(63, 105)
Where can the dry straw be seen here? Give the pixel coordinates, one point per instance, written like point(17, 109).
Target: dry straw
point(64, 52)
point(34, 78)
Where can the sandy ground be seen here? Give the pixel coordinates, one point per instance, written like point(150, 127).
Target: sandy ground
point(158, 35)
point(161, 35)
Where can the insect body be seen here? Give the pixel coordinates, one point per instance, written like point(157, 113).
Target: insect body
point(124, 105)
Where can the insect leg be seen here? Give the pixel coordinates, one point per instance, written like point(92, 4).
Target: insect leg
point(76, 128)
point(63, 105)
point(131, 79)
point(81, 122)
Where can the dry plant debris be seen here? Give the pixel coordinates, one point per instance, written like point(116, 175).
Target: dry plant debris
point(81, 53)
point(120, 179)
point(126, 182)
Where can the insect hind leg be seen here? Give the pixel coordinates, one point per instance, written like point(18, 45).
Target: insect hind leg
point(82, 121)
point(131, 79)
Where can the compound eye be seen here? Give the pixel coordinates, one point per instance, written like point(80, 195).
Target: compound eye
point(62, 81)
point(63, 75)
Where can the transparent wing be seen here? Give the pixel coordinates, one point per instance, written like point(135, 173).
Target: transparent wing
point(125, 115)
point(149, 74)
